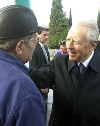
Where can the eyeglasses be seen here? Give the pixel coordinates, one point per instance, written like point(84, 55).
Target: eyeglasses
point(75, 41)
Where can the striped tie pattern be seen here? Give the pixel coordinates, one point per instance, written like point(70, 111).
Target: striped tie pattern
point(45, 53)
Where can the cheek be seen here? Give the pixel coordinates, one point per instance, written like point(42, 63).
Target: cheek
point(86, 49)
point(84, 52)
point(44, 37)
point(80, 52)
point(33, 46)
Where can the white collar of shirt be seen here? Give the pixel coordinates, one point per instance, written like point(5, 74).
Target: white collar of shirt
point(41, 44)
point(86, 62)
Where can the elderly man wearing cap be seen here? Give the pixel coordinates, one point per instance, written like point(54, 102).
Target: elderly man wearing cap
point(21, 103)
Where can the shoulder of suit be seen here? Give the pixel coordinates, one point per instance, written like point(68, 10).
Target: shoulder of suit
point(38, 45)
point(61, 57)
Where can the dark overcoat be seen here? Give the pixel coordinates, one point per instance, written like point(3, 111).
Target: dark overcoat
point(75, 102)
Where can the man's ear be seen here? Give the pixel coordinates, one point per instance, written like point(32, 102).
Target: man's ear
point(94, 45)
point(18, 48)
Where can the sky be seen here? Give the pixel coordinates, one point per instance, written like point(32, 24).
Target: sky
point(81, 9)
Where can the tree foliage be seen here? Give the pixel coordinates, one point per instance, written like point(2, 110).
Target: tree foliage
point(58, 24)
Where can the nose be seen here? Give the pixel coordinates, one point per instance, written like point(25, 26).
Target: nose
point(69, 43)
point(47, 36)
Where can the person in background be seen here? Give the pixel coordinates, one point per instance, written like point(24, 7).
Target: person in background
point(63, 48)
point(75, 78)
point(41, 54)
point(21, 103)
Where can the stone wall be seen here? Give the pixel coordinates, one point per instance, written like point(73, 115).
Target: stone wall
point(53, 51)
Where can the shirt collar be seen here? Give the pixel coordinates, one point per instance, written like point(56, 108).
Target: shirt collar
point(41, 44)
point(86, 62)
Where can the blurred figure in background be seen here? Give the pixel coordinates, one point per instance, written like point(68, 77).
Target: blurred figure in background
point(41, 54)
point(63, 48)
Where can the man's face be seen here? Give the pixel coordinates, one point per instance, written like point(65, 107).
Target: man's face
point(63, 48)
point(78, 46)
point(28, 49)
point(43, 37)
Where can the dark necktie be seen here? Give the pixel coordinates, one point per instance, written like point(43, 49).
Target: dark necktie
point(76, 71)
point(82, 68)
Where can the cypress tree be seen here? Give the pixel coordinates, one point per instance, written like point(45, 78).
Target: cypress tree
point(58, 25)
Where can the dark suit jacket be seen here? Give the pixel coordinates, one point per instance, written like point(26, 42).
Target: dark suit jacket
point(98, 46)
point(75, 102)
point(38, 58)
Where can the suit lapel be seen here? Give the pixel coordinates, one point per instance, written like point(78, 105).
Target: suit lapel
point(72, 74)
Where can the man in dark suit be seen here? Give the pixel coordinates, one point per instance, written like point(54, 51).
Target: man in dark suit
point(41, 54)
point(76, 94)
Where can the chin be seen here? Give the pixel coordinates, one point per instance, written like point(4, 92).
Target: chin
point(72, 59)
